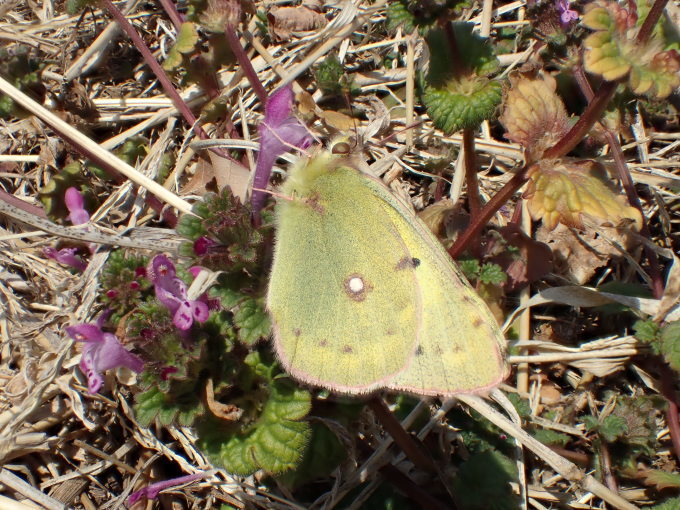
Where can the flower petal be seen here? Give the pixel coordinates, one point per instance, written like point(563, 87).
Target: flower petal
point(200, 310)
point(85, 333)
point(183, 318)
point(161, 267)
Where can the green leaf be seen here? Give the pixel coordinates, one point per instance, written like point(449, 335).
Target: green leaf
point(612, 428)
point(551, 437)
point(252, 320)
point(669, 504)
point(275, 442)
point(646, 331)
point(492, 274)
point(451, 111)
point(670, 344)
point(323, 455)
point(154, 404)
point(483, 482)
point(186, 41)
point(470, 268)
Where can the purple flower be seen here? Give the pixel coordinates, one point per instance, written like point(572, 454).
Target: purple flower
point(102, 351)
point(74, 203)
point(66, 256)
point(279, 131)
point(151, 491)
point(202, 245)
point(171, 291)
point(567, 15)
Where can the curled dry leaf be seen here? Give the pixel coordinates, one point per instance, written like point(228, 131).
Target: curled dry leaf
point(534, 115)
point(285, 20)
point(564, 191)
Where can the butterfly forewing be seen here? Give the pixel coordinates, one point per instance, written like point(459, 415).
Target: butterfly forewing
point(344, 307)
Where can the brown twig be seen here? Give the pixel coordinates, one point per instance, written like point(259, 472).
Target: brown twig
point(406, 442)
point(244, 62)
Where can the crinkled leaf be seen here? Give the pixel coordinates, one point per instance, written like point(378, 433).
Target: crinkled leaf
point(154, 404)
point(492, 273)
point(564, 191)
point(669, 504)
point(412, 14)
point(670, 344)
point(186, 41)
point(274, 443)
point(647, 331)
point(613, 51)
point(534, 115)
point(551, 437)
point(451, 111)
point(252, 320)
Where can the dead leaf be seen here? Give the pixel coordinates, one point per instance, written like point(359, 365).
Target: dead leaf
point(338, 121)
point(216, 174)
point(285, 20)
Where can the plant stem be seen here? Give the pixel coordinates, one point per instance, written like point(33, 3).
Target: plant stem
point(156, 68)
point(652, 18)
point(474, 202)
point(244, 62)
point(493, 205)
point(172, 12)
point(628, 186)
point(405, 441)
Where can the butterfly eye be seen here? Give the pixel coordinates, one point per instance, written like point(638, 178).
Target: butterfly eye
point(341, 149)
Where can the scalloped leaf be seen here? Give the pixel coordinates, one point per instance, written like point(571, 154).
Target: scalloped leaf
point(275, 443)
point(451, 111)
point(534, 115)
point(613, 51)
point(662, 479)
point(253, 321)
point(564, 191)
point(670, 344)
point(412, 14)
point(186, 41)
point(153, 405)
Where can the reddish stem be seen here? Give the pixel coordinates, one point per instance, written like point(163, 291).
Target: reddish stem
point(650, 21)
point(151, 61)
point(668, 390)
point(406, 442)
point(244, 62)
point(171, 10)
point(474, 202)
point(20, 204)
point(628, 186)
point(493, 205)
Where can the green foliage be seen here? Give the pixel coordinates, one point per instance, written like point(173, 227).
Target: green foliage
point(457, 91)
point(470, 268)
point(669, 504)
point(133, 150)
point(73, 7)
point(492, 274)
point(646, 331)
point(483, 482)
point(123, 282)
point(610, 427)
point(52, 194)
point(670, 344)
point(252, 321)
point(22, 71)
point(185, 44)
point(488, 273)
point(614, 52)
point(274, 441)
point(412, 14)
point(550, 437)
point(332, 79)
point(662, 479)
point(323, 454)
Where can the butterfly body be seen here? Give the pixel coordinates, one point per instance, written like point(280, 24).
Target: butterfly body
point(363, 296)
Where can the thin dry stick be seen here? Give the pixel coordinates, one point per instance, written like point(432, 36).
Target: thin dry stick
point(566, 469)
point(11, 480)
point(90, 148)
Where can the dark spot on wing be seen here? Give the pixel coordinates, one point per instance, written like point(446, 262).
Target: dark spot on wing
point(438, 351)
point(347, 349)
point(467, 299)
point(297, 332)
point(390, 332)
point(407, 263)
point(477, 322)
point(419, 350)
point(323, 343)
